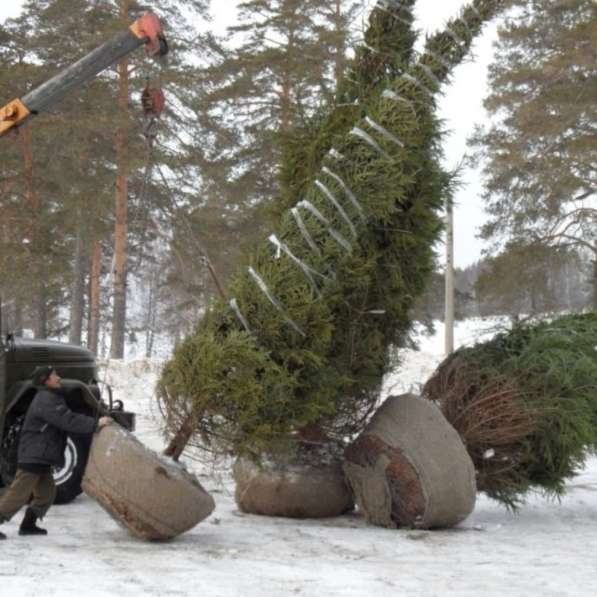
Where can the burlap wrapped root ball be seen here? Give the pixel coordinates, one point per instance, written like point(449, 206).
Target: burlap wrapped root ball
point(409, 467)
point(309, 485)
point(153, 497)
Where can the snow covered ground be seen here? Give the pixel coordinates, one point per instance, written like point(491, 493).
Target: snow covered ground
point(546, 549)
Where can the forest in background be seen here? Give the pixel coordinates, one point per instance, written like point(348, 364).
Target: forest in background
point(103, 236)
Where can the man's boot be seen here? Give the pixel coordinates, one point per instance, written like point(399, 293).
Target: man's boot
point(28, 526)
point(2, 536)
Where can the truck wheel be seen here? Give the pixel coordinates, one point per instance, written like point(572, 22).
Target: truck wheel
point(8, 452)
point(68, 477)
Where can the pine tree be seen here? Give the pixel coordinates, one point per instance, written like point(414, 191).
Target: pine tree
point(74, 144)
point(387, 50)
point(258, 91)
point(335, 36)
point(517, 281)
point(540, 152)
point(29, 248)
point(238, 160)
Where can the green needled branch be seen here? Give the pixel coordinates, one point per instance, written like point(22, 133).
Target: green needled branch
point(524, 404)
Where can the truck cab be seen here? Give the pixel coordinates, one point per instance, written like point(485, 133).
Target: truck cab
point(19, 360)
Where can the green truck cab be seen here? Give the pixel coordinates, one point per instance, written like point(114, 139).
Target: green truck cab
point(19, 359)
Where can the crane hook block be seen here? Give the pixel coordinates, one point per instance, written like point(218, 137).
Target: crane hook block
point(149, 29)
point(153, 101)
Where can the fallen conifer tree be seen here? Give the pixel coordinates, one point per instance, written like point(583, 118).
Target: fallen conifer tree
point(525, 404)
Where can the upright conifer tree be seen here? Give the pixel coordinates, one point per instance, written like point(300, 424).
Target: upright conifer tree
point(305, 336)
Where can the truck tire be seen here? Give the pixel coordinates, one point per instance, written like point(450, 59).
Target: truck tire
point(68, 477)
point(8, 452)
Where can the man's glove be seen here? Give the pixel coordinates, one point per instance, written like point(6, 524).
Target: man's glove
point(103, 421)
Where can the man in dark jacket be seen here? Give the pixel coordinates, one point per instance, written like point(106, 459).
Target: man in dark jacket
point(41, 446)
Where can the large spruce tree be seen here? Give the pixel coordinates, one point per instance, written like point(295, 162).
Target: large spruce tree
point(313, 311)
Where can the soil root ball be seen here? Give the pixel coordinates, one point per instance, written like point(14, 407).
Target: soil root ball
point(151, 496)
point(409, 467)
point(293, 491)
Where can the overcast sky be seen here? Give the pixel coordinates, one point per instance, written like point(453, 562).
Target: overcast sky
point(460, 107)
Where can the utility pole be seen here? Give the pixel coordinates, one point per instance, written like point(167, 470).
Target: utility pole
point(449, 276)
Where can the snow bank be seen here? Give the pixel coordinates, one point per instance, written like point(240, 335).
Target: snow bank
point(548, 548)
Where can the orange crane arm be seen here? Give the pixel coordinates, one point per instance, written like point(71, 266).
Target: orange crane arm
point(144, 31)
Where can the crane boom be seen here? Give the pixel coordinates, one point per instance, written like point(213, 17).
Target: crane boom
point(144, 31)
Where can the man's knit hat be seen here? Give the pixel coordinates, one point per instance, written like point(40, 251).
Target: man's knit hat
point(41, 374)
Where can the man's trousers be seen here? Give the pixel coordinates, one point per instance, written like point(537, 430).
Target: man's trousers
point(37, 487)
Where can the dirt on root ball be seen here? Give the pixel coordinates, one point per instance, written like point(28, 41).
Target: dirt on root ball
point(408, 500)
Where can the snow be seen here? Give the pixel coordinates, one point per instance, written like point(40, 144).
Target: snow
point(418, 365)
point(548, 548)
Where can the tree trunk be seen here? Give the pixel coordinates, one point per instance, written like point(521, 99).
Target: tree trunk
point(286, 90)
point(14, 323)
point(181, 438)
point(215, 278)
point(594, 281)
point(150, 315)
point(94, 297)
point(339, 59)
point(533, 300)
point(38, 287)
point(40, 311)
point(121, 211)
point(77, 292)
point(18, 323)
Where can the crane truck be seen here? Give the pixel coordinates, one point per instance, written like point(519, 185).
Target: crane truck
point(20, 358)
